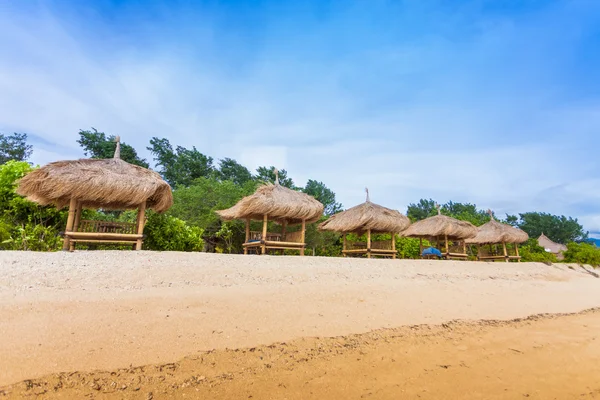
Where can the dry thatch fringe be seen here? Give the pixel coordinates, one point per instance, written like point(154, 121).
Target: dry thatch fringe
point(496, 232)
point(278, 203)
point(367, 215)
point(441, 226)
point(111, 184)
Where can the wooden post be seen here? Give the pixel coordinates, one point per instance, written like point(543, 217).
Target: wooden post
point(344, 236)
point(505, 252)
point(247, 235)
point(283, 230)
point(76, 223)
point(302, 239)
point(141, 221)
point(263, 249)
point(447, 249)
point(368, 243)
point(70, 221)
point(394, 245)
point(420, 247)
point(464, 247)
point(478, 252)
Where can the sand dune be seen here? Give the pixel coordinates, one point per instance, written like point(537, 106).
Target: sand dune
point(65, 312)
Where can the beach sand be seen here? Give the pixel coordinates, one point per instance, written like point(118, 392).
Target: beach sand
point(348, 326)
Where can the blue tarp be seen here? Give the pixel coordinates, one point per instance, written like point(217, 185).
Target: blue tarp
point(431, 251)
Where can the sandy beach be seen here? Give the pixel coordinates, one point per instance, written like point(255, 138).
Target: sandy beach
point(85, 323)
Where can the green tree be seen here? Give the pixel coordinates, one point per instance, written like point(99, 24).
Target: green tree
point(582, 253)
point(465, 212)
point(14, 147)
point(267, 174)
point(98, 145)
point(231, 170)
point(325, 195)
point(167, 233)
point(560, 229)
point(180, 167)
point(421, 210)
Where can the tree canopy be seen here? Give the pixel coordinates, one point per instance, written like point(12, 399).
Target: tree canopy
point(558, 228)
point(14, 147)
point(319, 191)
point(267, 174)
point(97, 144)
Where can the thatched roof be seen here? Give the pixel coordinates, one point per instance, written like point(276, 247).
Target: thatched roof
point(278, 203)
point(550, 246)
point(111, 184)
point(441, 226)
point(367, 215)
point(496, 232)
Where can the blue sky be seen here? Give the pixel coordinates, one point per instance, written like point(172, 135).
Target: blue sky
point(490, 102)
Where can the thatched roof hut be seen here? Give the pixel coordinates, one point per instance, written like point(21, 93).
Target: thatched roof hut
point(551, 247)
point(441, 226)
point(366, 216)
point(495, 232)
point(279, 204)
point(370, 218)
point(110, 184)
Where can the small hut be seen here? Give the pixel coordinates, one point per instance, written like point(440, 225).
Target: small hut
point(108, 184)
point(368, 218)
point(273, 202)
point(551, 247)
point(441, 228)
point(493, 234)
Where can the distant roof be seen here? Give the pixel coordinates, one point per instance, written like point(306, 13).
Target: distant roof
point(496, 232)
point(551, 246)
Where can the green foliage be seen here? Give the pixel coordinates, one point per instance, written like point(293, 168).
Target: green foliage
point(559, 229)
point(231, 170)
point(322, 243)
point(25, 225)
point(531, 251)
point(180, 167)
point(462, 211)
point(267, 174)
point(97, 145)
point(582, 253)
point(423, 209)
point(408, 247)
point(325, 195)
point(14, 147)
point(167, 233)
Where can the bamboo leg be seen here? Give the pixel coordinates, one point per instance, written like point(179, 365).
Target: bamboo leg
point(478, 253)
point(505, 252)
point(247, 234)
point(264, 235)
point(141, 220)
point(303, 237)
point(70, 221)
point(394, 245)
point(368, 243)
point(464, 247)
point(344, 235)
point(283, 230)
point(76, 223)
point(447, 250)
point(420, 247)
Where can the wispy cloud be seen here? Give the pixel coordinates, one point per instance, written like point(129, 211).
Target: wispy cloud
point(496, 106)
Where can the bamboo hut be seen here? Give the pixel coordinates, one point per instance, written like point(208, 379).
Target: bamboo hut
point(551, 247)
point(493, 234)
point(273, 202)
point(367, 218)
point(109, 184)
point(443, 229)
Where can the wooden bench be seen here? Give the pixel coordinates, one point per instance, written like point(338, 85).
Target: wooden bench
point(275, 241)
point(103, 232)
point(379, 248)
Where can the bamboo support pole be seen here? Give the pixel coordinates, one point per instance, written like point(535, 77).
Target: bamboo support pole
point(345, 243)
point(283, 229)
point(464, 247)
point(505, 252)
point(70, 221)
point(76, 223)
point(263, 249)
point(247, 234)
point(394, 245)
point(420, 247)
point(141, 221)
point(447, 248)
point(368, 243)
point(303, 237)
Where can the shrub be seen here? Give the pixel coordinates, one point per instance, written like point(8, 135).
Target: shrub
point(167, 233)
point(531, 251)
point(582, 253)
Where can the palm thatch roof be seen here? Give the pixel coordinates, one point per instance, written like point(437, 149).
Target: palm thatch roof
point(496, 232)
point(278, 203)
point(441, 226)
point(111, 184)
point(550, 246)
point(367, 215)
